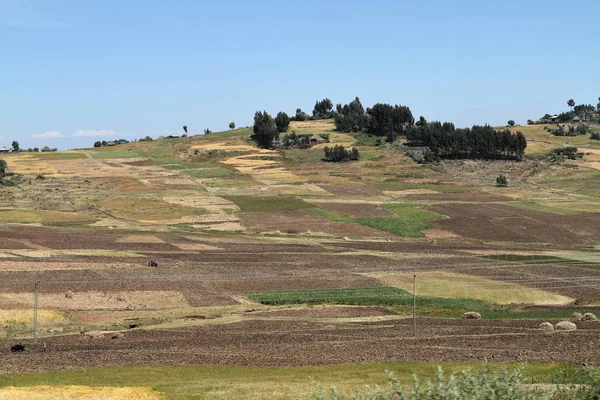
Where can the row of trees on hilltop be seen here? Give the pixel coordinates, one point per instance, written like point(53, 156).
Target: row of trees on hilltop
point(444, 140)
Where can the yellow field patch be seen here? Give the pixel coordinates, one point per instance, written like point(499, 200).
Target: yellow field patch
point(228, 147)
point(133, 300)
point(142, 209)
point(452, 285)
point(139, 239)
point(42, 216)
point(196, 246)
point(77, 393)
point(317, 126)
point(25, 316)
point(28, 165)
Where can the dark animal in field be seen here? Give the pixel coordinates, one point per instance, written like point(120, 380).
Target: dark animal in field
point(153, 264)
point(17, 348)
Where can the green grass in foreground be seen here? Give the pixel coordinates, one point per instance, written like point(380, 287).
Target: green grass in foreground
point(377, 295)
point(114, 154)
point(230, 382)
point(257, 204)
point(410, 220)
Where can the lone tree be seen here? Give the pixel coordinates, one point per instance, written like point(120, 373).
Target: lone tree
point(571, 103)
point(3, 168)
point(501, 181)
point(232, 125)
point(98, 144)
point(185, 129)
point(282, 121)
point(265, 130)
point(15, 146)
point(511, 122)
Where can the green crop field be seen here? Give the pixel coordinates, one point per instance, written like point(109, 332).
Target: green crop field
point(376, 295)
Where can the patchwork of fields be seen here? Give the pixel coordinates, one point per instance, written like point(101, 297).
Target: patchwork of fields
point(207, 250)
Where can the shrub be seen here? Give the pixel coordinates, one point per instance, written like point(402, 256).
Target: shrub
point(98, 143)
point(232, 125)
point(501, 181)
point(415, 156)
point(468, 384)
point(511, 122)
point(340, 153)
point(595, 136)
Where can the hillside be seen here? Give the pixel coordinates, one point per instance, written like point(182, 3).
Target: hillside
point(222, 182)
point(175, 254)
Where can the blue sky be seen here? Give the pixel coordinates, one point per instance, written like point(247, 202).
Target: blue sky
point(76, 71)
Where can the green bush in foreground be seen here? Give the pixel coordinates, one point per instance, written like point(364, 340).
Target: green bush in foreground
point(471, 385)
point(466, 385)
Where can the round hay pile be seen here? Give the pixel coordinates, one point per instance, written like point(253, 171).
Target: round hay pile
point(471, 315)
point(69, 294)
point(576, 316)
point(588, 316)
point(546, 327)
point(565, 326)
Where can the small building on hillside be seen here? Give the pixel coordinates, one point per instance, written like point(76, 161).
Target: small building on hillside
point(576, 119)
point(554, 118)
point(46, 149)
point(4, 149)
point(111, 143)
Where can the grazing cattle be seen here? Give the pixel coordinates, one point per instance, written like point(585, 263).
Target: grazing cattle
point(17, 347)
point(153, 263)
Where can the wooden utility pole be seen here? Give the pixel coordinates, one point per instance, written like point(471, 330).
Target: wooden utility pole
point(415, 305)
point(35, 310)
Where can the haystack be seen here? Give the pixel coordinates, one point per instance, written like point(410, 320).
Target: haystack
point(576, 316)
point(69, 294)
point(471, 315)
point(547, 327)
point(565, 326)
point(588, 316)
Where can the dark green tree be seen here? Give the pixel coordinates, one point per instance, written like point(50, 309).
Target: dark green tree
point(36, 149)
point(185, 129)
point(350, 117)
point(501, 181)
point(387, 120)
point(3, 167)
point(282, 121)
point(571, 103)
point(15, 146)
point(232, 125)
point(98, 144)
point(323, 109)
point(511, 122)
point(265, 130)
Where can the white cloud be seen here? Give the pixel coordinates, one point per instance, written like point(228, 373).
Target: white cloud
point(1, 138)
point(95, 132)
point(49, 134)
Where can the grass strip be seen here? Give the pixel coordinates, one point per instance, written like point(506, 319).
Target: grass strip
point(376, 295)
